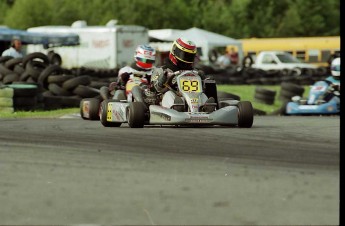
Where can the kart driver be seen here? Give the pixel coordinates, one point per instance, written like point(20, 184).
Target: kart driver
point(144, 59)
point(181, 57)
point(334, 80)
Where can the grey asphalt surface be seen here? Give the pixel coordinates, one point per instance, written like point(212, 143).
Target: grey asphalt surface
point(282, 171)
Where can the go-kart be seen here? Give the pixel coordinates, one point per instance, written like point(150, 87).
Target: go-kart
point(193, 111)
point(112, 112)
point(322, 100)
point(90, 107)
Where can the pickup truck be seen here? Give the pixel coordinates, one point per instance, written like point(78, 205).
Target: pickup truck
point(275, 60)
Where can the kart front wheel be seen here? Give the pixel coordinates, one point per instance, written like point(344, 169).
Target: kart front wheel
point(136, 114)
point(103, 113)
point(245, 114)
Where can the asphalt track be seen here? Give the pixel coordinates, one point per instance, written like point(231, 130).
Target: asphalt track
point(282, 171)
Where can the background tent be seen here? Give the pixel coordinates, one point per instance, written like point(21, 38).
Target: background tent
point(206, 41)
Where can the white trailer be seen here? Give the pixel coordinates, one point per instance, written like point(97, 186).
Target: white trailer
point(110, 46)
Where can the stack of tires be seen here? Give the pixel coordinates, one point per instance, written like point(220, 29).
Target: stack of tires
point(57, 87)
point(264, 95)
point(288, 90)
point(19, 97)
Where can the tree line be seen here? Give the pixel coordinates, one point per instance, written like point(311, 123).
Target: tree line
point(233, 18)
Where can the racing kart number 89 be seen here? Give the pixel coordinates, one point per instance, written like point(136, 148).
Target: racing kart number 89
point(190, 85)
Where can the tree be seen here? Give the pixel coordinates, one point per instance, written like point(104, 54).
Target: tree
point(234, 18)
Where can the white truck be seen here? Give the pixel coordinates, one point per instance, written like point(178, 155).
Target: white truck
point(275, 60)
point(111, 46)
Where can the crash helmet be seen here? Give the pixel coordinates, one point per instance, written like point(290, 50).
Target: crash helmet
point(183, 53)
point(145, 57)
point(335, 68)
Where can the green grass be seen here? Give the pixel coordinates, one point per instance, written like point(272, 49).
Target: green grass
point(40, 114)
point(246, 92)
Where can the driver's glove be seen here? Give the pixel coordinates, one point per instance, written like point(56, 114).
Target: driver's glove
point(125, 77)
point(163, 78)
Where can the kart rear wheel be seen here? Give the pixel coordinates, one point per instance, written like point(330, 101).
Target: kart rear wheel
point(89, 108)
point(103, 111)
point(245, 114)
point(136, 114)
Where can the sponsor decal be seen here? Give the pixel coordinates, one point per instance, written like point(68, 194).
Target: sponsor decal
point(194, 100)
point(127, 43)
point(189, 74)
point(86, 106)
point(319, 88)
point(198, 119)
point(100, 43)
point(308, 107)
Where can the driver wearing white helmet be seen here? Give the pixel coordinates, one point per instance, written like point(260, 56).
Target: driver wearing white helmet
point(334, 79)
point(144, 60)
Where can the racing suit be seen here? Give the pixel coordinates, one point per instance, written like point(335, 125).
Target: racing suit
point(117, 89)
point(170, 99)
point(333, 89)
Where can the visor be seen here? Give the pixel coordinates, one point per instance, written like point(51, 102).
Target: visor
point(183, 56)
point(145, 66)
point(147, 61)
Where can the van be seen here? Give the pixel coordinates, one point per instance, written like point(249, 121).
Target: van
point(106, 47)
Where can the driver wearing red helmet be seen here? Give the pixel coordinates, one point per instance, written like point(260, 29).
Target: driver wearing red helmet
point(181, 57)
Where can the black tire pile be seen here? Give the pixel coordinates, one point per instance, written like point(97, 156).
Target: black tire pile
point(264, 95)
point(55, 87)
point(285, 94)
point(252, 76)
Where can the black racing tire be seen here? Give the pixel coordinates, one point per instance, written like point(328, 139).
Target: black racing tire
point(136, 114)
point(58, 90)
point(245, 114)
point(103, 115)
point(24, 101)
point(212, 55)
point(54, 58)
point(221, 95)
point(13, 62)
point(265, 91)
point(74, 82)
point(4, 70)
point(269, 100)
point(50, 70)
point(85, 91)
point(59, 79)
point(293, 88)
point(35, 68)
point(35, 55)
point(10, 78)
point(3, 59)
point(247, 61)
point(287, 94)
point(19, 69)
point(91, 105)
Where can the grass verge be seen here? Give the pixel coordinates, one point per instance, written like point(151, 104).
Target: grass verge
point(246, 92)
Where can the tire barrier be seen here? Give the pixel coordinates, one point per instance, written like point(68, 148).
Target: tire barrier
point(39, 82)
point(58, 87)
point(264, 95)
point(247, 75)
point(288, 90)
